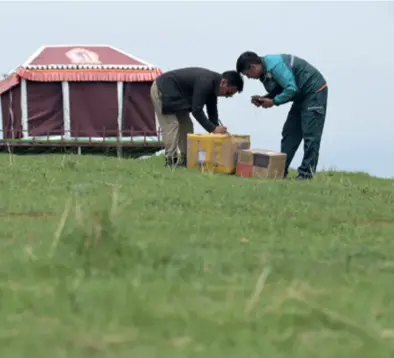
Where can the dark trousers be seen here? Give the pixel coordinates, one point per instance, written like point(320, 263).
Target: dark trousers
point(305, 121)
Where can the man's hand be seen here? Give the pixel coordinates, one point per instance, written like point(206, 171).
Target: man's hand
point(256, 100)
point(220, 130)
point(267, 102)
point(260, 101)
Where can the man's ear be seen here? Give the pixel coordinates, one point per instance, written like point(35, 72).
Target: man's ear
point(223, 82)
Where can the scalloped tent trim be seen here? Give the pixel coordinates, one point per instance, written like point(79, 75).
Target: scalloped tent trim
point(139, 71)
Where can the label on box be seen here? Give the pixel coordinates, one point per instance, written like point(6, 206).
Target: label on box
point(201, 156)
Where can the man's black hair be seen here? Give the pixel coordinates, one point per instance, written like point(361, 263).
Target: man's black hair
point(247, 59)
point(234, 79)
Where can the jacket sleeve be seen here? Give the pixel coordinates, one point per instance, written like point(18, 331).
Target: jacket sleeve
point(274, 93)
point(201, 91)
point(212, 110)
point(284, 77)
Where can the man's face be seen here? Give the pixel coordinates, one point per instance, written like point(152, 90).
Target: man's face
point(225, 90)
point(254, 71)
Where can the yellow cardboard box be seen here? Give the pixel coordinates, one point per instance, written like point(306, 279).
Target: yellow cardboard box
point(215, 152)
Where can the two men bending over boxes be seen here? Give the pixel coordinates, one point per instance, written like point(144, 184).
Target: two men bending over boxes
point(286, 78)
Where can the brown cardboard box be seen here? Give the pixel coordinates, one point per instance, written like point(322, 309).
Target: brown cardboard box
point(227, 152)
point(264, 163)
point(245, 157)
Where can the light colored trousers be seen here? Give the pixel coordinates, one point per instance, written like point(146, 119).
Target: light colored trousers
point(174, 127)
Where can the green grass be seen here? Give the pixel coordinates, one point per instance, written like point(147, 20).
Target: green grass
point(102, 257)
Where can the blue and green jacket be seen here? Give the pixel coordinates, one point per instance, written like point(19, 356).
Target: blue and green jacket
point(290, 78)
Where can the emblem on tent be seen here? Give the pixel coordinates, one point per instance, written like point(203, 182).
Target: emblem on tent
point(83, 56)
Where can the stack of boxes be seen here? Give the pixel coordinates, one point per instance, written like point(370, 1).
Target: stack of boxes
point(260, 163)
point(231, 154)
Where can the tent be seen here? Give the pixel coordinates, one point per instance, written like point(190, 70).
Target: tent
point(79, 93)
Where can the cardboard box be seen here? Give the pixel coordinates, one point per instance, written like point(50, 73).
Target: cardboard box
point(215, 152)
point(262, 163)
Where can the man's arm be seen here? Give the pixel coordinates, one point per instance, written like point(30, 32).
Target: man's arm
point(285, 78)
point(201, 92)
point(256, 100)
point(274, 93)
point(212, 110)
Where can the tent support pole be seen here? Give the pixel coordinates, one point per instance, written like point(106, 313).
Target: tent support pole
point(24, 109)
point(66, 110)
point(119, 147)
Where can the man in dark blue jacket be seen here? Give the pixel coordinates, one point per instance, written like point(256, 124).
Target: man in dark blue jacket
point(288, 78)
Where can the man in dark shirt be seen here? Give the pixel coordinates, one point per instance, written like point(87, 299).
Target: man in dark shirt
point(177, 93)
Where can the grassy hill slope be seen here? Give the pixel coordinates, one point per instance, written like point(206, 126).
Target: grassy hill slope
point(103, 257)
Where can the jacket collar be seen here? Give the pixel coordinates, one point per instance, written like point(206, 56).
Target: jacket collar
point(216, 81)
point(264, 75)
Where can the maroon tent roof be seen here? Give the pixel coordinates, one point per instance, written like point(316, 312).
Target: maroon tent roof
point(70, 55)
point(81, 63)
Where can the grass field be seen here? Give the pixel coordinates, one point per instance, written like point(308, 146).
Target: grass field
point(102, 257)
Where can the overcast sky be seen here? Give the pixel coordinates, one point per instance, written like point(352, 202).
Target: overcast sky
point(351, 43)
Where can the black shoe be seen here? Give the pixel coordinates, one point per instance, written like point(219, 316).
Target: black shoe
point(171, 162)
point(183, 161)
point(303, 177)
